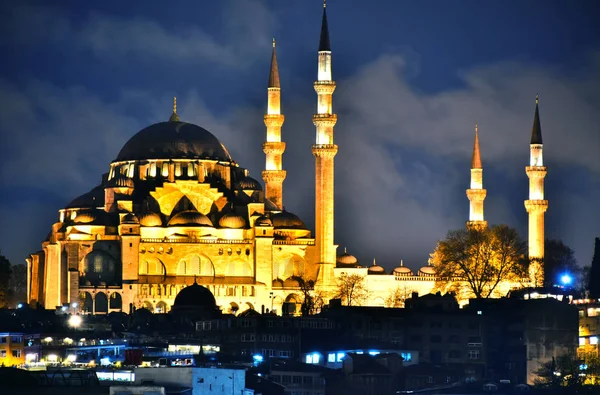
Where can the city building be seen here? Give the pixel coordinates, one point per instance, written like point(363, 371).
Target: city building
point(12, 351)
point(176, 209)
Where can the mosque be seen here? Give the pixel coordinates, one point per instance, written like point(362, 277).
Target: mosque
point(175, 210)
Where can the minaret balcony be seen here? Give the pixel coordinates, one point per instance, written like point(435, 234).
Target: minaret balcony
point(325, 150)
point(324, 87)
point(276, 148)
point(536, 206)
point(275, 120)
point(476, 194)
point(327, 120)
point(536, 171)
point(274, 176)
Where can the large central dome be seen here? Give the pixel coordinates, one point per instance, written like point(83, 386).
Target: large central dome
point(173, 140)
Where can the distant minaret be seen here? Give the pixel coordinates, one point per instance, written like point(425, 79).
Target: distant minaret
point(536, 205)
point(324, 150)
point(274, 147)
point(476, 193)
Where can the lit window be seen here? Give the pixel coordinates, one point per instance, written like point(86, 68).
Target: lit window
point(331, 357)
point(340, 356)
point(473, 354)
point(309, 359)
point(178, 169)
point(582, 341)
point(406, 356)
point(191, 170)
point(97, 264)
point(594, 340)
point(165, 169)
point(315, 358)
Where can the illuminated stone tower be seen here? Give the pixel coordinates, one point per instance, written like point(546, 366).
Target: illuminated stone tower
point(274, 147)
point(476, 193)
point(536, 205)
point(324, 150)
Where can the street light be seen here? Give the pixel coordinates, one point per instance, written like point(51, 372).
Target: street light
point(566, 279)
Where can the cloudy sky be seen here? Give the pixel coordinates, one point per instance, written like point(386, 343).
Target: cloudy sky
point(78, 79)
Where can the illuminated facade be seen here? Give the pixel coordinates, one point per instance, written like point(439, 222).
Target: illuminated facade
point(175, 209)
point(536, 206)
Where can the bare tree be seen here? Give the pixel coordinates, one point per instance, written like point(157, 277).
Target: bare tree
point(351, 289)
point(398, 296)
point(476, 261)
point(312, 300)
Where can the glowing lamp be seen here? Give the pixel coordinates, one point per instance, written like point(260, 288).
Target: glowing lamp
point(75, 321)
point(566, 279)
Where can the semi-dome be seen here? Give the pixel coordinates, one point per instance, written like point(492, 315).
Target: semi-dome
point(173, 140)
point(232, 221)
point(190, 218)
point(375, 269)
point(346, 259)
point(427, 271)
point(150, 219)
point(249, 183)
point(287, 220)
point(195, 296)
point(130, 218)
point(402, 270)
point(93, 198)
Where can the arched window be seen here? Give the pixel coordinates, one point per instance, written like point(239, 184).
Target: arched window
point(181, 268)
point(144, 267)
point(191, 170)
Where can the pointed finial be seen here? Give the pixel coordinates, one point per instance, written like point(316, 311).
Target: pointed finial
point(195, 279)
point(324, 3)
point(536, 133)
point(476, 158)
point(174, 117)
point(345, 250)
point(374, 263)
point(324, 43)
point(401, 262)
point(274, 71)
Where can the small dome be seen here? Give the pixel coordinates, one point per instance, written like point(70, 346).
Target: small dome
point(91, 217)
point(375, 269)
point(346, 259)
point(263, 220)
point(195, 296)
point(150, 219)
point(121, 182)
point(130, 218)
point(427, 271)
point(232, 221)
point(277, 283)
point(403, 270)
point(291, 283)
point(287, 220)
point(249, 313)
point(190, 218)
point(249, 183)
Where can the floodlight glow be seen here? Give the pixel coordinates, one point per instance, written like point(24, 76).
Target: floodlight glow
point(75, 321)
point(71, 358)
point(258, 358)
point(20, 306)
point(566, 279)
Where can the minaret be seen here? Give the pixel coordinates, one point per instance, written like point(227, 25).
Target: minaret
point(476, 193)
point(324, 150)
point(274, 147)
point(536, 205)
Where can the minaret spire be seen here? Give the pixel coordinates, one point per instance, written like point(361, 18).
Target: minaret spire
point(174, 117)
point(476, 193)
point(324, 151)
point(536, 205)
point(273, 175)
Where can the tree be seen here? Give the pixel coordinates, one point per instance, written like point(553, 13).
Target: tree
point(18, 284)
point(5, 272)
point(476, 261)
point(398, 296)
point(594, 277)
point(559, 259)
point(565, 371)
point(351, 289)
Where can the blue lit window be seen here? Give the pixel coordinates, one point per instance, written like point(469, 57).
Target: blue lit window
point(340, 356)
point(331, 357)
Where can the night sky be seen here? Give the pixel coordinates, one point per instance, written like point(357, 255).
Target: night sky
point(79, 78)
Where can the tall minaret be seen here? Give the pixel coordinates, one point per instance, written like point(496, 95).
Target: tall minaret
point(324, 150)
point(476, 193)
point(274, 147)
point(536, 205)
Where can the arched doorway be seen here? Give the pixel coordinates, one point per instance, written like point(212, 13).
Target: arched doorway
point(116, 302)
point(149, 306)
point(161, 307)
point(86, 302)
point(101, 305)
